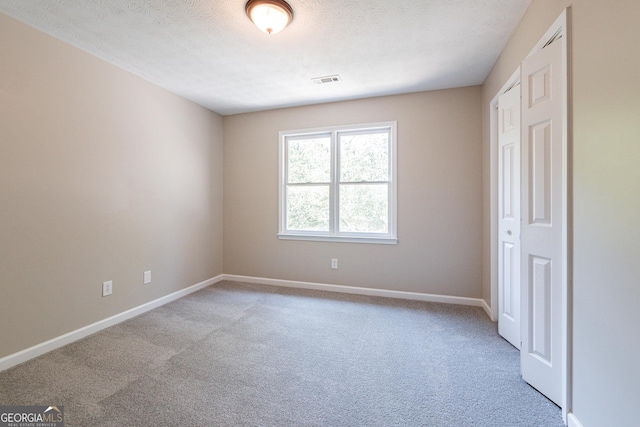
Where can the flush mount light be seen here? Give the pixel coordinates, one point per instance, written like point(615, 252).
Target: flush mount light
point(271, 16)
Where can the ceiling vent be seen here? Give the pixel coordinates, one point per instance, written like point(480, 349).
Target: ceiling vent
point(326, 79)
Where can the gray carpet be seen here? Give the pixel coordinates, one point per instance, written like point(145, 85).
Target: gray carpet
point(251, 355)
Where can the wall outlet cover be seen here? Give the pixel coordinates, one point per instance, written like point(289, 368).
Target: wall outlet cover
point(107, 288)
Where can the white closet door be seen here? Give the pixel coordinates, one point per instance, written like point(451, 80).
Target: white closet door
point(543, 219)
point(509, 216)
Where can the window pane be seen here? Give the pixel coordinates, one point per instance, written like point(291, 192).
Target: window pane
point(309, 160)
point(308, 208)
point(364, 157)
point(364, 208)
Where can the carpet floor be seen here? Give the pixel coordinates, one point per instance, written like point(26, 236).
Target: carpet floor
point(237, 354)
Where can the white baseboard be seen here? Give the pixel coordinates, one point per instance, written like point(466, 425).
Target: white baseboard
point(416, 296)
point(47, 346)
point(487, 309)
point(572, 421)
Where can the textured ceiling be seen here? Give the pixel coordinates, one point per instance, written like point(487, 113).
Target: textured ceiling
point(209, 51)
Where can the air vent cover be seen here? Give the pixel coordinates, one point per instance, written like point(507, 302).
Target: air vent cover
point(326, 79)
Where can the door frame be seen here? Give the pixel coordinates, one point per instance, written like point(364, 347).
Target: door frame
point(559, 29)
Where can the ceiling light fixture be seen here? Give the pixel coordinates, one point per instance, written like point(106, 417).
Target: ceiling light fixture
point(271, 16)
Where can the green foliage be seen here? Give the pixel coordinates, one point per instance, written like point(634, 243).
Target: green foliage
point(364, 157)
point(309, 160)
point(364, 208)
point(363, 188)
point(308, 208)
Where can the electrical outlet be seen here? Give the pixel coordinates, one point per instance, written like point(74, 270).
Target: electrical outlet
point(107, 288)
point(334, 263)
point(146, 277)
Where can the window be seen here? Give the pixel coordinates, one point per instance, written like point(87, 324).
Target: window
point(339, 184)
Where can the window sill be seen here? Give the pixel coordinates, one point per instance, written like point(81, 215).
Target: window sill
point(342, 239)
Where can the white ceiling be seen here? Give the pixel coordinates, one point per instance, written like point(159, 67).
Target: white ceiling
point(209, 51)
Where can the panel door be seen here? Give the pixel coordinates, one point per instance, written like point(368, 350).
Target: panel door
point(509, 216)
point(543, 219)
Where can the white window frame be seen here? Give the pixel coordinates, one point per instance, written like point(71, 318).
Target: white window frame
point(333, 235)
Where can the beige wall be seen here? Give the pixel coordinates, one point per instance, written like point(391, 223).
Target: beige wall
point(607, 212)
point(439, 197)
point(102, 176)
point(606, 185)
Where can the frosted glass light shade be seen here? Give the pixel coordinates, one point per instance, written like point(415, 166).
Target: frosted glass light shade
point(271, 16)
